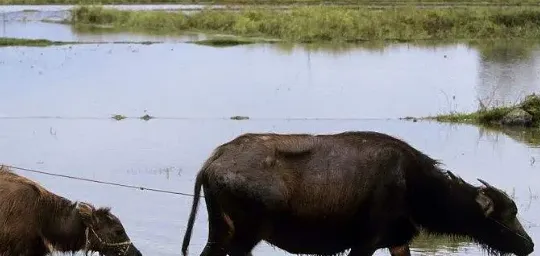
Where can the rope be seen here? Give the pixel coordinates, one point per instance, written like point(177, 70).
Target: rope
point(98, 181)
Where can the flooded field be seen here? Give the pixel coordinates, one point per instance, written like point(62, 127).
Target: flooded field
point(58, 101)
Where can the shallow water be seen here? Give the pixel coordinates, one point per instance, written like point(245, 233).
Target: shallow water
point(57, 104)
point(165, 154)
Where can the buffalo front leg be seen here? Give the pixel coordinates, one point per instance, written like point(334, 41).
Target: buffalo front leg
point(402, 250)
point(361, 252)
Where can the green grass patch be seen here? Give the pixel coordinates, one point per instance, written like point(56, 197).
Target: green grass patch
point(499, 116)
point(321, 24)
point(7, 41)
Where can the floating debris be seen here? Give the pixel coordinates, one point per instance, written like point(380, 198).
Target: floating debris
point(119, 117)
point(146, 117)
point(239, 118)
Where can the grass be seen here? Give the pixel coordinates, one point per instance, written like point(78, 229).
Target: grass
point(494, 116)
point(7, 41)
point(321, 24)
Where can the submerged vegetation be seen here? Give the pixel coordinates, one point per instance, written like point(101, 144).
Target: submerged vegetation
point(524, 114)
point(434, 243)
point(318, 23)
point(224, 42)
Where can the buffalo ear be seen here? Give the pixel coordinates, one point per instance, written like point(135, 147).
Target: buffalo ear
point(86, 212)
point(485, 203)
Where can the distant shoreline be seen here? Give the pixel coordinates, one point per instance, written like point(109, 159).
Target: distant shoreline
point(374, 3)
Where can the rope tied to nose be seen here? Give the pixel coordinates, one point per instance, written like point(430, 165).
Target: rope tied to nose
point(123, 247)
point(509, 229)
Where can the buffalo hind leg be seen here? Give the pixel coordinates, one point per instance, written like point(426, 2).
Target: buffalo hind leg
point(244, 240)
point(242, 246)
point(219, 236)
point(220, 229)
point(402, 250)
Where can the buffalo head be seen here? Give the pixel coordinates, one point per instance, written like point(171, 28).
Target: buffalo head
point(499, 229)
point(105, 233)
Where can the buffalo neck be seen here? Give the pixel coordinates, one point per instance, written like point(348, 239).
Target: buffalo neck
point(62, 225)
point(444, 205)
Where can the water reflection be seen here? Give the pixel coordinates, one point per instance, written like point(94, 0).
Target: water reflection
point(527, 136)
point(96, 34)
point(508, 71)
point(440, 245)
point(166, 172)
point(172, 80)
point(375, 81)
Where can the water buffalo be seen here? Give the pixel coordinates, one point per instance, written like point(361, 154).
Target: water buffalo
point(357, 190)
point(36, 222)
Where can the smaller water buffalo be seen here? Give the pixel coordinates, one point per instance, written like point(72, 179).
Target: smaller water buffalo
point(36, 222)
point(324, 194)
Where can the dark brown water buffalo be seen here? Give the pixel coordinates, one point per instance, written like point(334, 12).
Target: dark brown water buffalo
point(324, 194)
point(36, 222)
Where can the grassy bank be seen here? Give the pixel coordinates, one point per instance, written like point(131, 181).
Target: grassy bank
point(526, 113)
point(256, 2)
point(317, 24)
point(6, 41)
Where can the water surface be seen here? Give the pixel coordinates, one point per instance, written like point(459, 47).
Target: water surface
point(166, 154)
point(57, 104)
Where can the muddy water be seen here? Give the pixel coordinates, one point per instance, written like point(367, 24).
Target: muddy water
point(55, 115)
